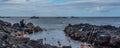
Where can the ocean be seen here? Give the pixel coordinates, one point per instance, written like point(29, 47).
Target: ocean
point(56, 25)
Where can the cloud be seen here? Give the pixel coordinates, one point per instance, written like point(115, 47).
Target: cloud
point(13, 1)
point(50, 8)
point(95, 5)
point(17, 1)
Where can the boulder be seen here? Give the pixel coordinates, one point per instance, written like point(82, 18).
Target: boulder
point(30, 28)
point(16, 25)
point(35, 44)
point(24, 46)
point(7, 24)
point(3, 35)
point(1, 44)
point(30, 25)
point(16, 40)
point(37, 29)
point(109, 27)
point(29, 31)
point(117, 44)
point(3, 23)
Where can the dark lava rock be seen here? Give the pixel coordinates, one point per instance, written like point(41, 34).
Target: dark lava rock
point(1, 44)
point(30, 28)
point(15, 40)
point(3, 35)
point(109, 27)
point(92, 33)
point(24, 46)
point(116, 44)
point(30, 24)
point(16, 25)
point(35, 44)
point(37, 28)
point(29, 31)
point(3, 23)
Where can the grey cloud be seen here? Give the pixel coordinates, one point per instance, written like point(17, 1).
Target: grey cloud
point(4, 0)
point(45, 7)
point(92, 5)
point(14, 1)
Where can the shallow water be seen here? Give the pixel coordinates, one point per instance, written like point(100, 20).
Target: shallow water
point(55, 27)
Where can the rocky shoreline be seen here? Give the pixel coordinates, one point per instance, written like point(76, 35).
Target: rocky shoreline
point(30, 28)
point(79, 32)
point(8, 39)
point(104, 35)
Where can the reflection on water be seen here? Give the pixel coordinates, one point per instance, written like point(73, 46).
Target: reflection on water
point(53, 36)
point(55, 27)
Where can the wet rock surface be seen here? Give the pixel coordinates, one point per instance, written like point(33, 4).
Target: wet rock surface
point(8, 38)
point(30, 28)
point(9, 41)
point(104, 35)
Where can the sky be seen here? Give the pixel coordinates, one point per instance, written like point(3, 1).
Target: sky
point(48, 8)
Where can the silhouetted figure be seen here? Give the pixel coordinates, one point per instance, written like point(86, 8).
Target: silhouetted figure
point(22, 27)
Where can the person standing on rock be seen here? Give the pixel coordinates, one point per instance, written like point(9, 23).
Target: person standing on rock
point(22, 27)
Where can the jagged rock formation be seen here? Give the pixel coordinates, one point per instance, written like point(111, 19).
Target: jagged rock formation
point(105, 35)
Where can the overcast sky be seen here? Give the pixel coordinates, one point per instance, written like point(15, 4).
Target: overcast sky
point(60, 8)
